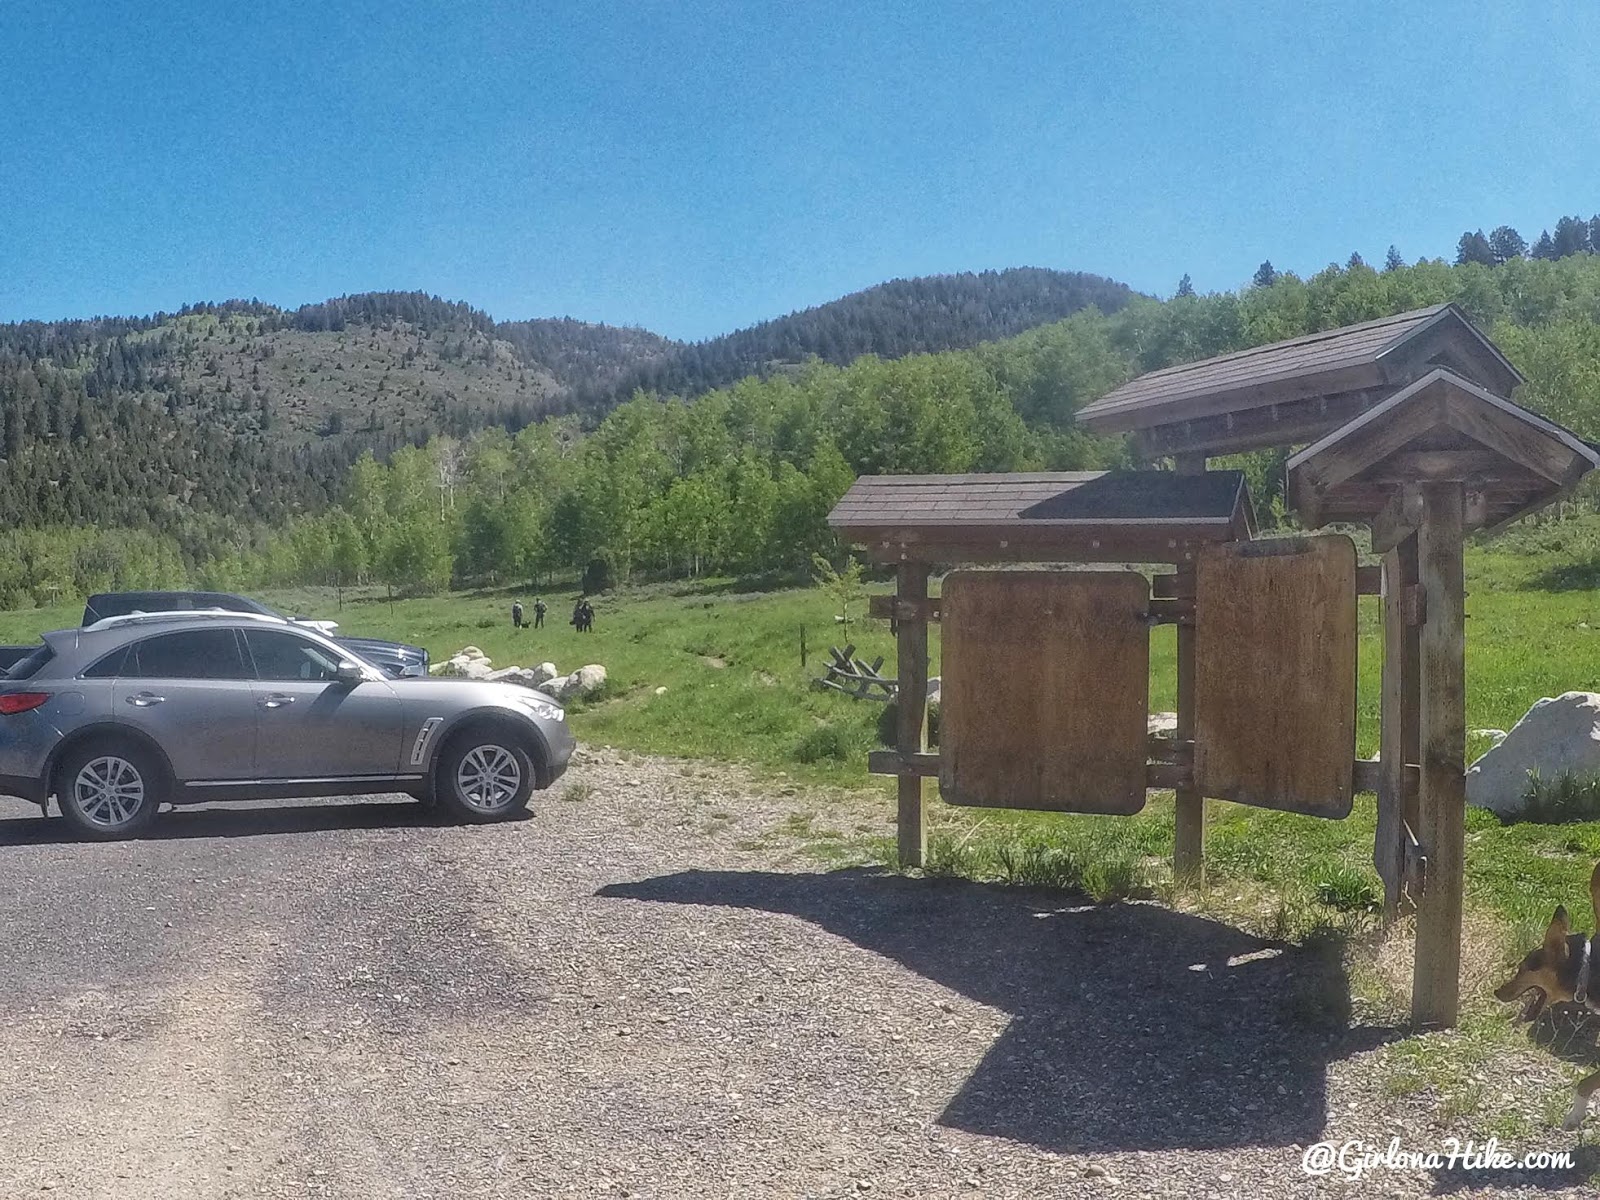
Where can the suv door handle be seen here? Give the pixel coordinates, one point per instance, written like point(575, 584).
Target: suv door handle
point(276, 700)
point(146, 699)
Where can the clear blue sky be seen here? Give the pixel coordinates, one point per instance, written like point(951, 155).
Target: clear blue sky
point(694, 167)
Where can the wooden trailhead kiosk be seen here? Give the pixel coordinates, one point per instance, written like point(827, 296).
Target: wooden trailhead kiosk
point(1406, 427)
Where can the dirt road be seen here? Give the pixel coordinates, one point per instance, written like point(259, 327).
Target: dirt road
point(631, 994)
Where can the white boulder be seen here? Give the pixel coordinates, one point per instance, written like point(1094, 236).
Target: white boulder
point(1557, 736)
point(585, 681)
point(467, 663)
point(544, 673)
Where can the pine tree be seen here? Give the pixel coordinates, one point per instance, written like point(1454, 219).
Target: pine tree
point(1266, 275)
point(1474, 248)
point(1507, 244)
point(1185, 287)
point(1355, 261)
point(1544, 248)
point(1392, 261)
point(1571, 237)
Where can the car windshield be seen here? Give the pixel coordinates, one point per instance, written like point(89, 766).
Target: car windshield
point(30, 666)
point(121, 604)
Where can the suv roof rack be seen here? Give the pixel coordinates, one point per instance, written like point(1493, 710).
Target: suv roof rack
point(151, 618)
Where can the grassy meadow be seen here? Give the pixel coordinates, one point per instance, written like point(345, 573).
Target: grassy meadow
point(729, 660)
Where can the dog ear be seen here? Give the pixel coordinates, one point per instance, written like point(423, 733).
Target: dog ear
point(1555, 937)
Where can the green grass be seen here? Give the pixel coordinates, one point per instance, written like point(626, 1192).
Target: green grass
point(735, 690)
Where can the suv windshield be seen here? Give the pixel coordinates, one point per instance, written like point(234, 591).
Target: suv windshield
point(29, 666)
point(120, 604)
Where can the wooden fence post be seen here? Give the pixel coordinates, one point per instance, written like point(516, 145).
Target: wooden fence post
point(911, 651)
point(1397, 802)
point(1189, 815)
point(1442, 735)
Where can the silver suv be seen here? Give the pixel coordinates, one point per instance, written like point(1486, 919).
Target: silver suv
point(118, 717)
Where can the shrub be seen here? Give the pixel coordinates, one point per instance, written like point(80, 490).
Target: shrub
point(824, 742)
point(1566, 799)
point(947, 858)
point(1344, 888)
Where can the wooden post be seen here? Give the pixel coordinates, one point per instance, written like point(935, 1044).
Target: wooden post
point(1397, 803)
point(1442, 736)
point(1189, 816)
point(911, 643)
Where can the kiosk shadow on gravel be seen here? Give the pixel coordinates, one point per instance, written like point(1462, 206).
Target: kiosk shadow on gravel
point(1133, 1027)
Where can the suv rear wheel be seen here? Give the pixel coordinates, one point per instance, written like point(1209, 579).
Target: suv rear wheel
point(109, 790)
point(483, 776)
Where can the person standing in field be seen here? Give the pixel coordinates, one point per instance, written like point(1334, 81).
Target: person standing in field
point(516, 614)
point(588, 615)
point(538, 613)
point(577, 616)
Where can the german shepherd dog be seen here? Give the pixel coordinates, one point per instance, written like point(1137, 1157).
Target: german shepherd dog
point(1557, 972)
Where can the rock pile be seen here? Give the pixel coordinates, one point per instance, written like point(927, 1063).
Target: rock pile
point(467, 663)
point(472, 663)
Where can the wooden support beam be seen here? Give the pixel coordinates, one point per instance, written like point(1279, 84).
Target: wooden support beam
point(1158, 775)
point(1445, 466)
point(1369, 581)
point(911, 711)
point(1179, 610)
point(1294, 419)
point(1169, 749)
point(1397, 791)
point(892, 608)
point(891, 762)
point(1189, 813)
point(1175, 776)
point(1167, 771)
point(1442, 735)
point(1396, 520)
point(1366, 775)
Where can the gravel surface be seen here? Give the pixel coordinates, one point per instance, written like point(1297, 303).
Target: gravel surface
point(646, 991)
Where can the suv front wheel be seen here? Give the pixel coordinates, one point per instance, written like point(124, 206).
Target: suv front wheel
point(109, 791)
point(484, 776)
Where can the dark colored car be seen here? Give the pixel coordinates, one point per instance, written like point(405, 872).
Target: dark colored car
point(395, 659)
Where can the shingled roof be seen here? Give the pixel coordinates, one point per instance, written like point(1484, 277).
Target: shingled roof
point(1057, 516)
point(1441, 428)
point(1386, 353)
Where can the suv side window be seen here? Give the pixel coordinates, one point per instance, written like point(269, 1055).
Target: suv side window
point(108, 667)
point(191, 654)
point(284, 656)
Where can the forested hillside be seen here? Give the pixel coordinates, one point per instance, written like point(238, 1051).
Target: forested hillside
point(740, 478)
point(903, 316)
point(243, 414)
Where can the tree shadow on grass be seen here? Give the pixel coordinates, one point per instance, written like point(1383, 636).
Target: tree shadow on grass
point(1580, 576)
point(1134, 1027)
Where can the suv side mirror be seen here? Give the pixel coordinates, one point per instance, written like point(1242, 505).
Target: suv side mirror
point(350, 672)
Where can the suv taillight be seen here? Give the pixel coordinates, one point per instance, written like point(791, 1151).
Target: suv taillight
point(21, 702)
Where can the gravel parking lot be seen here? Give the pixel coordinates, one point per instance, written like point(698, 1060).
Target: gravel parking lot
point(642, 992)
